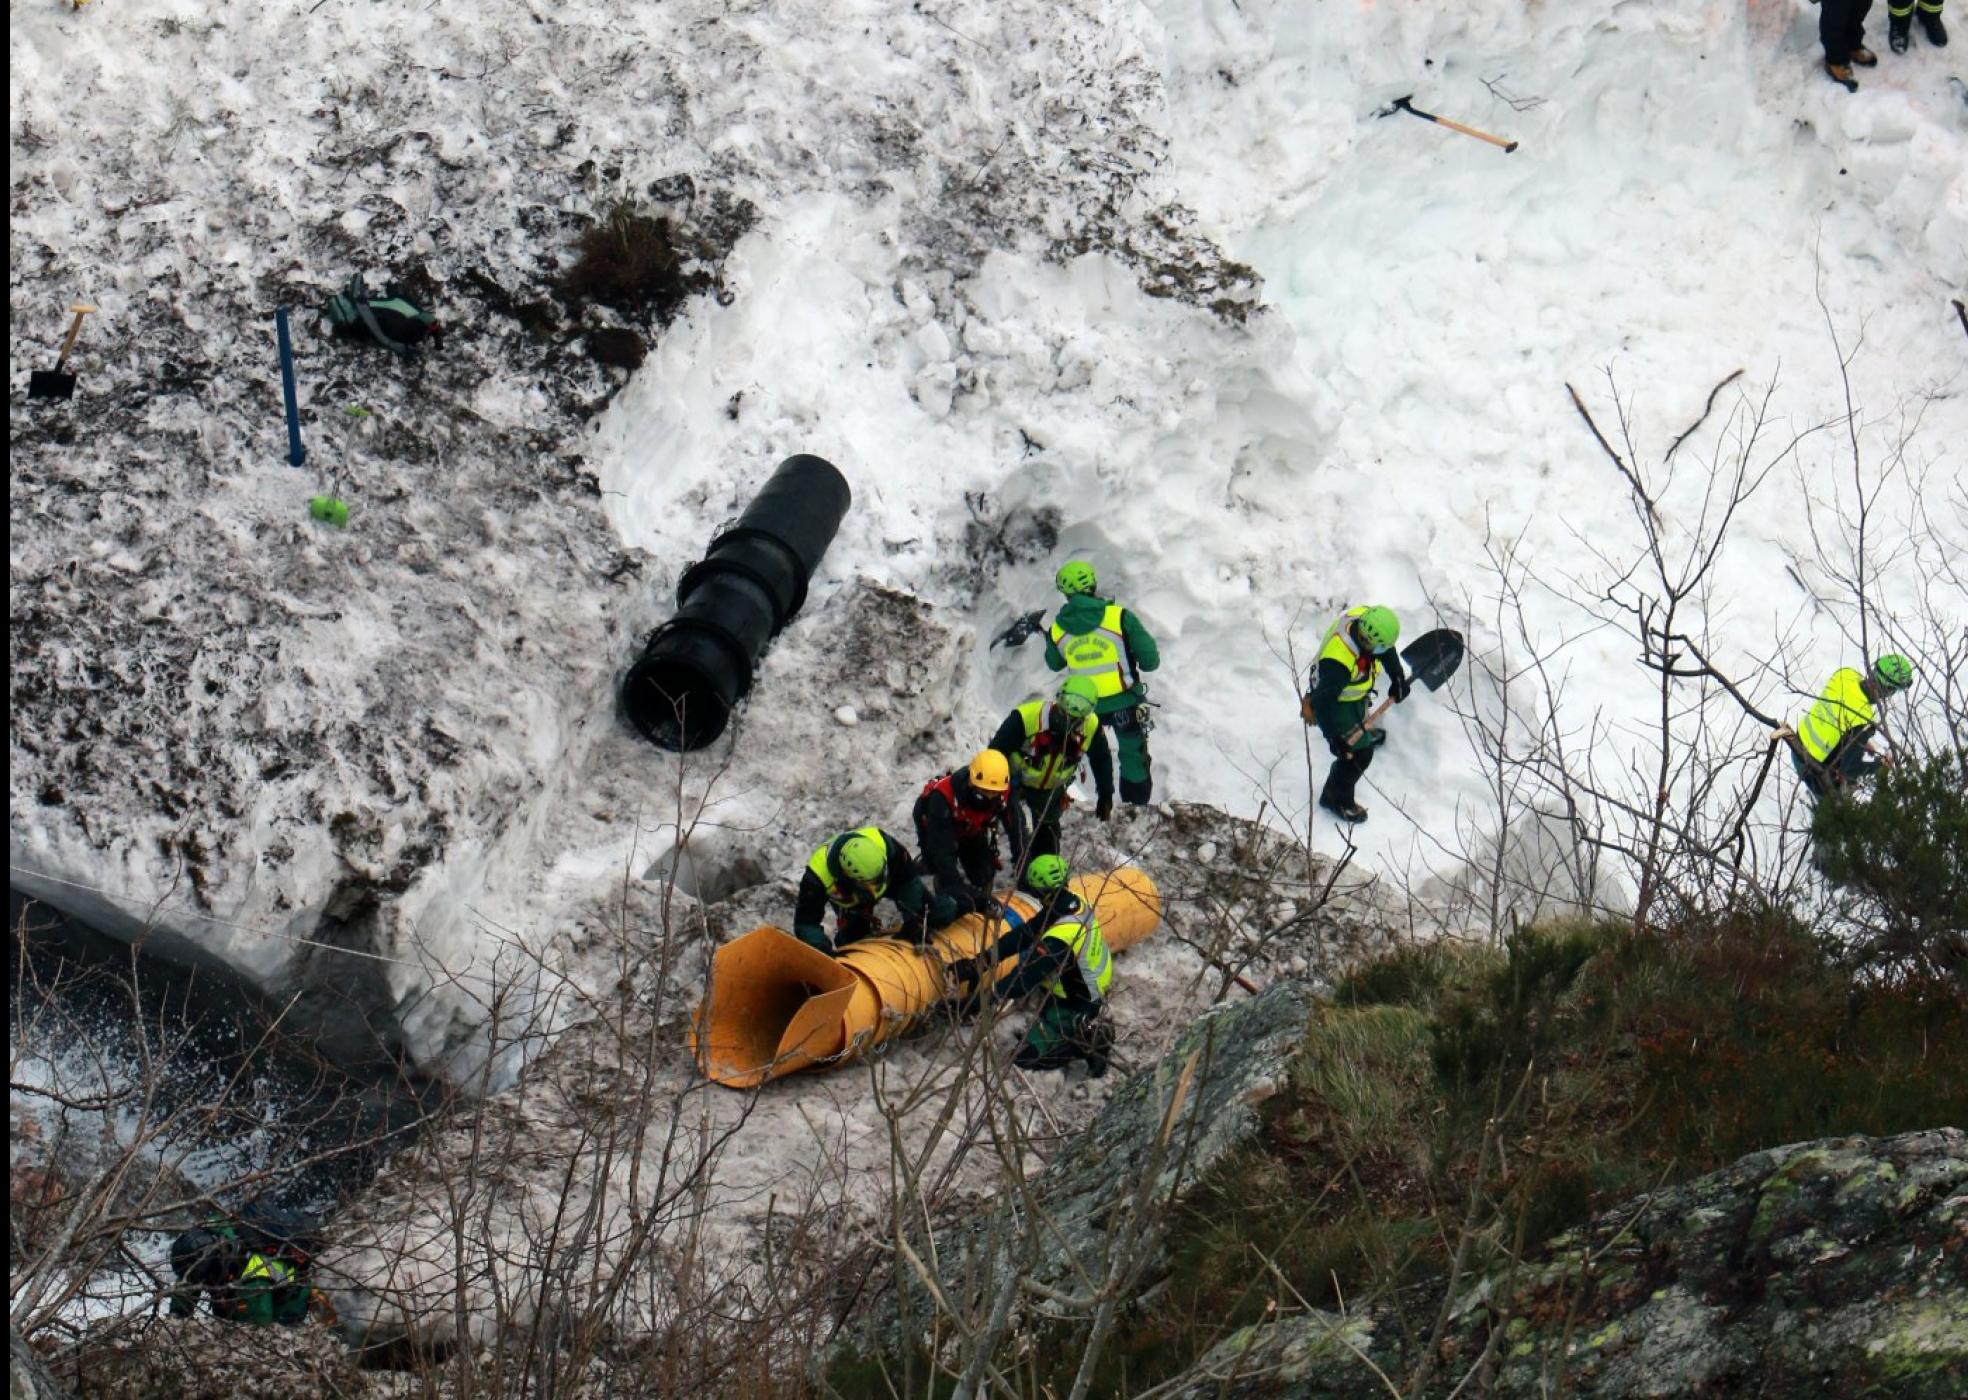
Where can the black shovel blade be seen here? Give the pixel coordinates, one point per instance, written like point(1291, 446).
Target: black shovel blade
point(1433, 657)
point(50, 384)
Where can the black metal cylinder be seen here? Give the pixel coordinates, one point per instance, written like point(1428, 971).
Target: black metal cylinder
point(696, 667)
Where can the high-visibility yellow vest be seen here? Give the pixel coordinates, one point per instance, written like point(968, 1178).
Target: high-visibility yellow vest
point(1339, 647)
point(1038, 764)
point(1099, 655)
point(1082, 934)
point(1843, 707)
point(274, 1271)
point(850, 895)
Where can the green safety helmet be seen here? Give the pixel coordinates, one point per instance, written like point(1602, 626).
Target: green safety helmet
point(1379, 628)
point(861, 859)
point(1893, 671)
point(1045, 874)
point(1075, 576)
point(1077, 697)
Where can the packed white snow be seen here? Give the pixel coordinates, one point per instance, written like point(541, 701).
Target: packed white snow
point(994, 279)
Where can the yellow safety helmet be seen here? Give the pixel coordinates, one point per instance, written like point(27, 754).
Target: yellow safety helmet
point(989, 772)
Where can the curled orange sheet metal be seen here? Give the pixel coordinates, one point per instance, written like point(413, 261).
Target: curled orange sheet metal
point(777, 1006)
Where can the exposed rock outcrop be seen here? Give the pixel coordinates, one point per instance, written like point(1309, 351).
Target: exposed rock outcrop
point(1837, 1267)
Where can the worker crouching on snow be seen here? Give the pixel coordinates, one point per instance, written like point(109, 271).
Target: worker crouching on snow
point(243, 1273)
point(854, 872)
point(1059, 949)
point(1104, 642)
point(957, 822)
point(1834, 738)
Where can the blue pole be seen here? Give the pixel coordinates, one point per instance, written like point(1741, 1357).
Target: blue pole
point(296, 454)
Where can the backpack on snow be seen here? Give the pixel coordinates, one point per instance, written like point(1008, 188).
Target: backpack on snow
point(392, 320)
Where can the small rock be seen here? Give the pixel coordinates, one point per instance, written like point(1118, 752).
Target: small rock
point(847, 716)
point(1206, 852)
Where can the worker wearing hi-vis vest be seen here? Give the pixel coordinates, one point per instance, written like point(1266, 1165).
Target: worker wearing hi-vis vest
point(958, 818)
point(853, 872)
point(1834, 737)
point(1097, 638)
point(1059, 948)
point(1358, 647)
point(1044, 741)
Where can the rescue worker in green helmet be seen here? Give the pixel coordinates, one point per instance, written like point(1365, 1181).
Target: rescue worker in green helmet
point(1834, 737)
point(1358, 647)
point(1093, 636)
point(1059, 949)
point(243, 1269)
point(1044, 741)
point(854, 872)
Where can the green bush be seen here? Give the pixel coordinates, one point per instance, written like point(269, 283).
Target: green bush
point(1643, 1059)
point(1900, 848)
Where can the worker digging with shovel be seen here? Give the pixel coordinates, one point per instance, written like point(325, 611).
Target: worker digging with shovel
point(1358, 648)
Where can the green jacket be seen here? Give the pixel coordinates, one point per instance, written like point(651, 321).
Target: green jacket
point(1082, 613)
point(269, 1291)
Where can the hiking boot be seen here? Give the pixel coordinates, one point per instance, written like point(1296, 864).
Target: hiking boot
point(1863, 57)
point(1841, 73)
point(1898, 30)
point(1351, 812)
point(1930, 20)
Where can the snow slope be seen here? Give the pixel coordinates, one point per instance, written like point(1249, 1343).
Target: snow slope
point(995, 277)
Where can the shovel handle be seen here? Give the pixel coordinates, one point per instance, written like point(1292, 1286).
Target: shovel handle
point(1404, 105)
point(74, 330)
point(1508, 146)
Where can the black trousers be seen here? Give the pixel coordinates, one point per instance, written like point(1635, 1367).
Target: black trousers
point(1344, 775)
point(1043, 809)
point(963, 884)
point(1841, 28)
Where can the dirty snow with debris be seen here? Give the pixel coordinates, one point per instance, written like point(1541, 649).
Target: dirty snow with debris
point(1147, 283)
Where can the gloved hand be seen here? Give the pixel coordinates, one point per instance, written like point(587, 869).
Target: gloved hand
point(962, 973)
point(976, 901)
point(1104, 808)
point(1305, 710)
point(1399, 687)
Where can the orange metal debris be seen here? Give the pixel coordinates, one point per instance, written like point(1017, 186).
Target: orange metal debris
point(777, 1006)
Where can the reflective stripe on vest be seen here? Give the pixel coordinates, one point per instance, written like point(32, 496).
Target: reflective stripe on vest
point(1098, 655)
point(1842, 708)
point(1082, 935)
point(971, 823)
point(1339, 647)
point(851, 895)
point(1036, 764)
point(274, 1271)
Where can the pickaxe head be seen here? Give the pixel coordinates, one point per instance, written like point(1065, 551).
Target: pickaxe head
point(1396, 105)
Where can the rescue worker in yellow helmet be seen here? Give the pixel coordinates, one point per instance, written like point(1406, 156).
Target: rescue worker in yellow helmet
point(1834, 737)
point(1095, 637)
point(1059, 949)
point(854, 872)
point(958, 818)
point(1043, 741)
point(1359, 645)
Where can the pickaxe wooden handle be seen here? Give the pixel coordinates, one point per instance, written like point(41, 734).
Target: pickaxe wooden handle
point(74, 329)
point(1404, 104)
